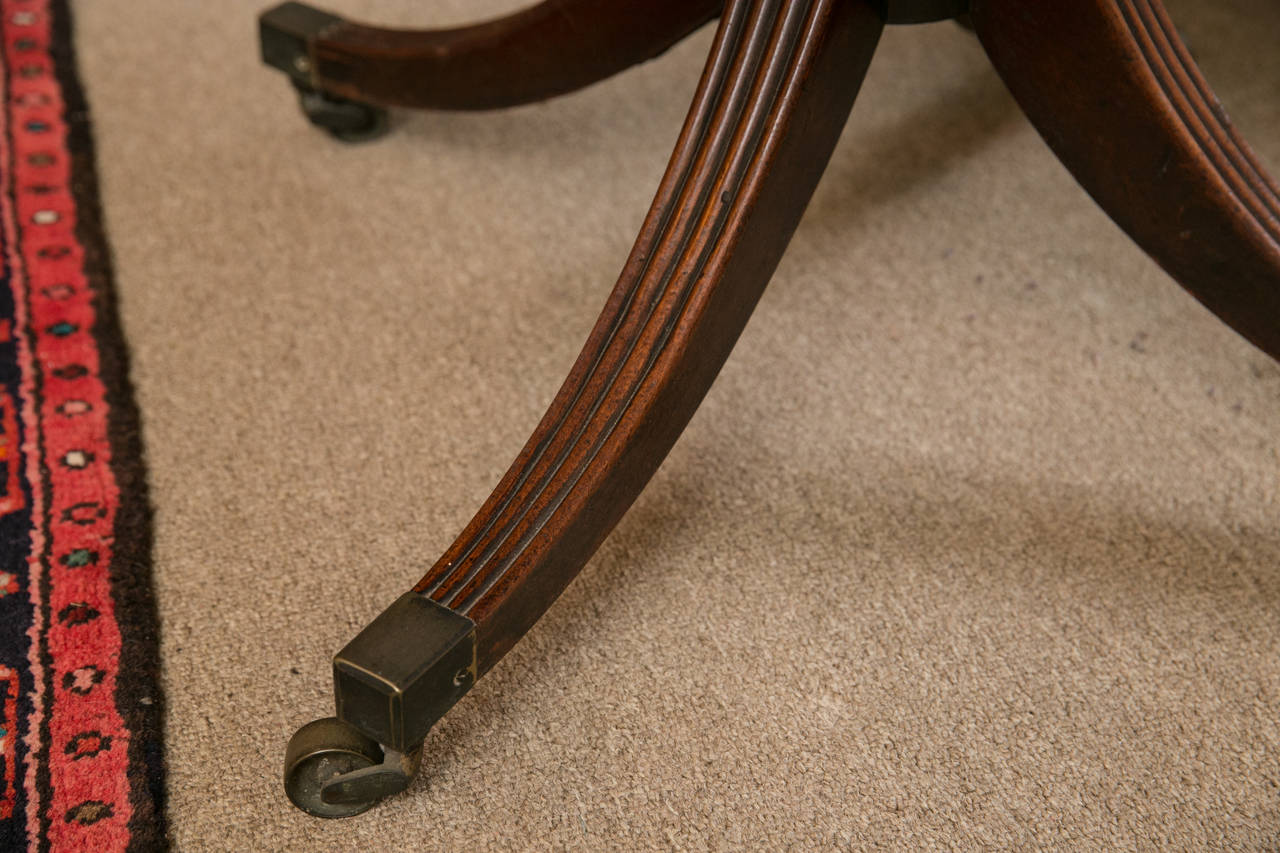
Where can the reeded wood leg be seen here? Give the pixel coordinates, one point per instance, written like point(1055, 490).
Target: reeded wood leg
point(549, 49)
point(775, 94)
point(780, 82)
point(1114, 92)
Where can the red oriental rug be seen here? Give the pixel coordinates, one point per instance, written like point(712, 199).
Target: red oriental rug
point(81, 762)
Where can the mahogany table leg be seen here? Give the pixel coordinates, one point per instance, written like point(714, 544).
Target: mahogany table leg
point(1114, 92)
point(775, 93)
point(549, 49)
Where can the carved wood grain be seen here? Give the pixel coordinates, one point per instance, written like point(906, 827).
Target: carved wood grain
point(772, 100)
point(1114, 92)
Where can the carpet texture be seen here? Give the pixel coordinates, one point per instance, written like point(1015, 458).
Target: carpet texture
point(81, 763)
point(974, 543)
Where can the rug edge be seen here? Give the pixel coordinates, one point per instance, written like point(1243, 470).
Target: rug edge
point(139, 700)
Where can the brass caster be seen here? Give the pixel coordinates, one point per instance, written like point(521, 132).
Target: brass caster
point(332, 770)
point(344, 120)
point(286, 34)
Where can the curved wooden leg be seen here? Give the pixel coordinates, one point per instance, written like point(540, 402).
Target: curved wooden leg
point(1113, 91)
point(780, 83)
point(775, 94)
point(549, 49)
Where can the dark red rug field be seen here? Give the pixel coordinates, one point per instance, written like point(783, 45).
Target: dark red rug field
point(81, 761)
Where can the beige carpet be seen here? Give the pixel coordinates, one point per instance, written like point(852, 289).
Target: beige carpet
point(974, 544)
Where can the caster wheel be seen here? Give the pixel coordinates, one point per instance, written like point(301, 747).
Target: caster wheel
point(348, 121)
point(320, 751)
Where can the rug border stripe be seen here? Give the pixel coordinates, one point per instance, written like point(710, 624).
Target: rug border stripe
point(95, 764)
point(138, 689)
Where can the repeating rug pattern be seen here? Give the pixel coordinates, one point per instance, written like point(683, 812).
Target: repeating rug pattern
point(81, 766)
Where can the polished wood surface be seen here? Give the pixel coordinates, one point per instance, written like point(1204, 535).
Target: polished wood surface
point(548, 49)
point(777, 88)
point(1114, 92)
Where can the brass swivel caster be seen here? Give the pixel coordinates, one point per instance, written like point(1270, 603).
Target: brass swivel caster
point(391, 683)
point(333, 770)
point(286, 33)
point(343, 119)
